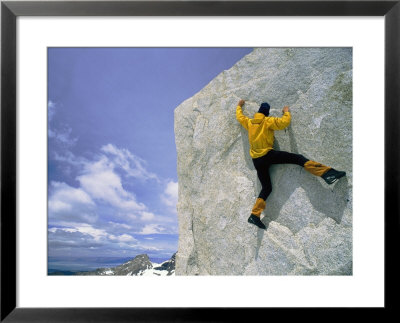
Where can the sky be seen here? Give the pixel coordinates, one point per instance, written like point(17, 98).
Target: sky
point(112, 178)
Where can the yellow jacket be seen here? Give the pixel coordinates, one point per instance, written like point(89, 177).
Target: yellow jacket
point(261, 130)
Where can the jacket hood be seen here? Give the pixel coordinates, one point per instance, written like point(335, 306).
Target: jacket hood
point(258, 118)
point(264, 108)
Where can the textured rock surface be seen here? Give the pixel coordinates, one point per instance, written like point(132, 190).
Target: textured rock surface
point(309, 224)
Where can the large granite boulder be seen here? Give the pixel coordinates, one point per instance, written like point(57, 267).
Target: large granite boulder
point(309, 223)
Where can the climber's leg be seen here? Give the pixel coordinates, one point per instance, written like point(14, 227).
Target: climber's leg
point(266, 189)
point(284, 157)
point(258, 207)
point(328, 174)
point(254, 218)
point(265, 180)
point(316, 168)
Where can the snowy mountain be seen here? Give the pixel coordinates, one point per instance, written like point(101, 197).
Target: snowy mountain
point(138, 266)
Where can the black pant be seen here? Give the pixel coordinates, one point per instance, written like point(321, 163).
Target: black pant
point(263, 163)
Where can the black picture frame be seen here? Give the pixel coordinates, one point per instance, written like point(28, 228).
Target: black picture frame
point(10, 10)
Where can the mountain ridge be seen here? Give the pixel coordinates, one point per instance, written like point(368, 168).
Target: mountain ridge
point(137, 266)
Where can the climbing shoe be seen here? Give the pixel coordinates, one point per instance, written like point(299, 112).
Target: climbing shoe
point(332, 175)
point(253, 219)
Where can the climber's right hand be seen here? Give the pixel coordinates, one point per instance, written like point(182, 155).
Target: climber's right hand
point(285, 109)
point(241, 103)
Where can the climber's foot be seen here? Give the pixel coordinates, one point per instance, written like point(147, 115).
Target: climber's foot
point(332, 175)
point(253, 219)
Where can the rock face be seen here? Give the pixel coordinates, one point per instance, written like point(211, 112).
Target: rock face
point(309, 223)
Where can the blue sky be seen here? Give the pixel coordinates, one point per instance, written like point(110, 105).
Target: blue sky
point(112, 182)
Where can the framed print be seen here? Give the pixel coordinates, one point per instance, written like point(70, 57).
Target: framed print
point(95, 98)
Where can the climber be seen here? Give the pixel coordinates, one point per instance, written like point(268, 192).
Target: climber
point(261, 138)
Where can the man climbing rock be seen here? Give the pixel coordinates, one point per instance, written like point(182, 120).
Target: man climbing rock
point(261, 138)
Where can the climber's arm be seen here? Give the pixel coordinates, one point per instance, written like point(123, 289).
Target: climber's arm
point(240, 116)
point(283, 122)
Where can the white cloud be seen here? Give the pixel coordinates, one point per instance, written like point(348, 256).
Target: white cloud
point(122, 238)
point(68, 193)
point(60, 239)
point(105, 239)
point(90, 233)
point(126, 238)
point(147, 216)
point(151, 228)
point(69, 203)
point(149, 248)
point(116, 225)
point(131, 164)
point(76, 212)
point(99, 178)
point(97, 234)
point(59, 206)
point(101, 182)
point(170, 195)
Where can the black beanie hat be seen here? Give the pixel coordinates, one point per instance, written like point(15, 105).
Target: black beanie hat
point(264, 108)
